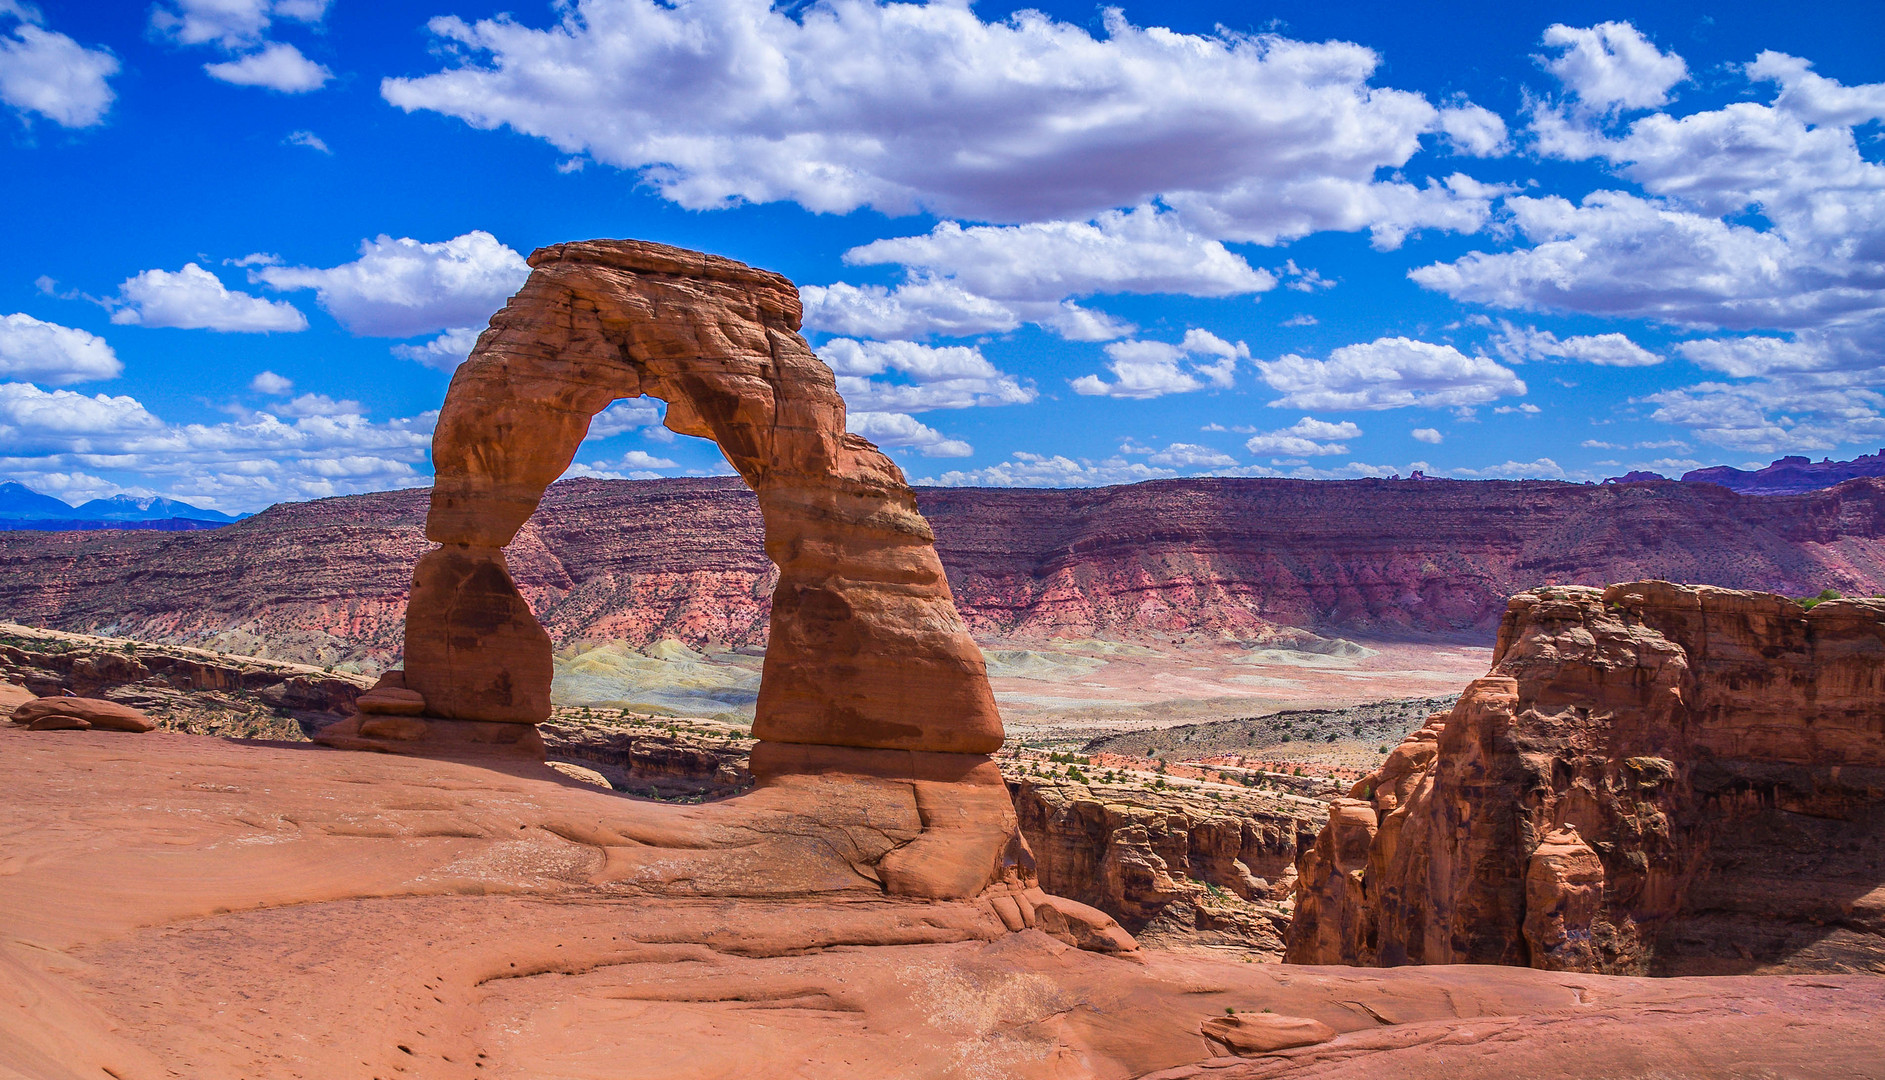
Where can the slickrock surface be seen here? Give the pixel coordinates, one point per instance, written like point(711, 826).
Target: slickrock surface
point(326, 581)
point(184, 906)
point(1653, 778)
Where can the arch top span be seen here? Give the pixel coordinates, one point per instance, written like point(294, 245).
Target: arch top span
point(866, 649)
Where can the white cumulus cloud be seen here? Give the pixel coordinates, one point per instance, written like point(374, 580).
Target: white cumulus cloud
point(318, 405)
point(902, 107)
point(267, 382)
point(1307, 437)
point(1516, 345)
point(624, 416)
point(54, 439)
point(1024, 469)
point(444, 352)
point(1185, 456)
point(1613, 65)
point(1389, 373)
point(1785, 413)
point(279, 66)
point(993, 278)
point(1815, 98)
point(904, 376)
point(1135, 251)
point(634, 465)
point(231, 24)
point(1427, 435)
point(403, 288)
point(1762, 216)
point(902, 429)
point(1684, 252)
point(308, 139)
point(50, 353)
point(1542, 469)
point(45, 72)
point(195, 299)
point(1149, 369)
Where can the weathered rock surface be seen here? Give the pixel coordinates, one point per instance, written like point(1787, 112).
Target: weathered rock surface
point(1654, 778)
point(192, 689)
point(94, 712)
point(1254, 1034)
point(208, 908)
point(1174, 869)
point(13, 695)
point(655, 764)
point(326, 582)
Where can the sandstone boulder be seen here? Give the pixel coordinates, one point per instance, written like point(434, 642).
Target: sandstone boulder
point(44, 714)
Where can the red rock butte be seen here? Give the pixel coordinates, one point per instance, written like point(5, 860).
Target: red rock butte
point(1653, 779)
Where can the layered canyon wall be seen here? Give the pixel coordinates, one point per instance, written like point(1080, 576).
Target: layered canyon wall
point(1654, 778)
point(326, 581)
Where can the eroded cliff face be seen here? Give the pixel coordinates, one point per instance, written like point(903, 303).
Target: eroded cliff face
point(1175, 869)
point(1653, 778)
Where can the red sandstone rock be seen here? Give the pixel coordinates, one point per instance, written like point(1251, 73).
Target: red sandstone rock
point(1183, 868)
point(391, 701)
point(12, 696)
point(1564, 891)
point(473, 649)
point(1662, 778)
point(866, 647)
point(1251, 1034)
point(91, 712)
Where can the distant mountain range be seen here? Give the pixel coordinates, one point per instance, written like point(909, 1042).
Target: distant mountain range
point(1786, 476)
point(1789, 475)
point(23, 508)
point(640, 561)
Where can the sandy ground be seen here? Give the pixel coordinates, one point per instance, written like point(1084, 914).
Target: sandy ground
point(173, 905)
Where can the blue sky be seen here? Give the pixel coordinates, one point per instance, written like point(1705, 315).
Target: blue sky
point(1065, 245)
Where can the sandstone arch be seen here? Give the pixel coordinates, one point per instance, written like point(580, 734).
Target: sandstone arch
point(874, 716)
point(867, 649)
